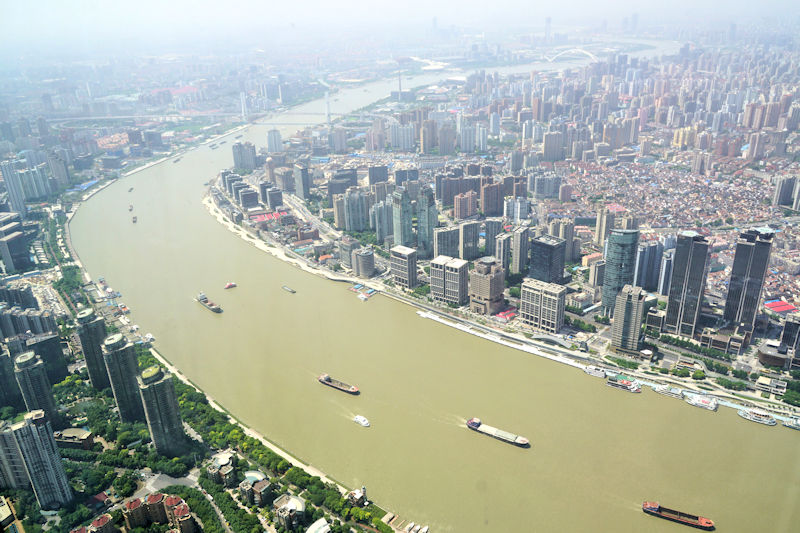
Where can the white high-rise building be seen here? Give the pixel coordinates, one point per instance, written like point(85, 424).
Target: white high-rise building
point(274, 143)
point(481, 138)
point(467, 139)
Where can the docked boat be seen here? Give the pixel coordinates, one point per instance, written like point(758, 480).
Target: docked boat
point(149, 338)
point(230, 285)
point(623, 384)
point(130, 190)
point(792, 423)
point(654, 509)
point(361, 420)
point(176, 160)
point(666, 390)
point(706, 402)
point(409, 527)
point(289, 289)
point(424, 529)
point(208, 304)
point(363, 297)
point(325, 379)
point(416, 528)
point(595, 371)
point(475, 424)
point(130, 207)
point(134, 219)
point(757, 416)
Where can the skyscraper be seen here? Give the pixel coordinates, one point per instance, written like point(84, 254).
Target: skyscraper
point(244, 155)
point(547, 258)
point(449, 280)
point(605, 223)
point(161, 411)
point(16, 195)
point(92, 332)
point(10, 395)
point(626, 332)
point(486, 286)
point(401, 213)
point(648, 264)
point(445, 241)
point(492, 199)
point(620, 263)
point(665, 272)
point(750, 264)
point(520, 250)
point(468, 234)
point(32, 379)
point(427, 220)
point(542, 305)
point(688, 283)
point(274, 143)
point(403, 264)
point(502, 250)
point(381, 216)
point(122, 369)
point(30, 443)
point(356, 212)
point(302, 182)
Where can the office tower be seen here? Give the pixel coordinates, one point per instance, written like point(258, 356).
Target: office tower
point(29, 457)
point(516, 209)
point(161, 410)
point(486, 286)
point(492, 199)
point(468, 235)
point(790, 335)
point(597, 272)
point(449, 280)
point(16, 195)
point(547, 258)
point(13, 243)
point(605, 223)
point(492, 228)
point(401, 214)
point(274, 143)
point(31, 377)
point(346, 248)
point(403, 261)
point(620, 263)
point(10, 395)
point(356, 213)
point(626, 332)
point(363, 262)
point(302, 182)
point(552, 146)
point(338, 211)
point(665, 271)
point(92, 332)
point(427, 220)
point(542, 305)
point(381, 217)
point(122, 369)
point(377, 174)
point(465, 205)
point(784, 190)
point(520, 250)
point(244, 155)
point(503, 244)
point(445, 241)
point(565, 229)
point(648, 264)
point(687, 284)
point(750, 264)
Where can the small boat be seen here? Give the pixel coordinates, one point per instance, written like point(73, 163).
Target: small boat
point(666, 390)
point(409, 527)
point(238, 136)
point(363, 297)
point(416, 528)
point(654, 509)
point(222, 142)
point(595, 371)
point(149, 337)
point(289, 289)
point(358, 419)
point(792, 423)
point(130, 190)
point(706, 402)
point(424, 530)
point(208, 304)
point(230, 285)
point(176, 160)
point(134, 220)
point(757, 416)
point(130, 207)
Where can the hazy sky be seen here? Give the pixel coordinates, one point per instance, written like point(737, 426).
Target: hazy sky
point(30, 25)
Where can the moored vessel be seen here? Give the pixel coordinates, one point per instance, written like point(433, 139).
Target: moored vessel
point(655, 509)
point(208, 304)
point(475, 424)
point(623, 384)
point(706, 402)
point(792, 423)
point(757, 416)
point(134, 220)
point(595, 371)
point(409, 527)
point(325, 379)
point(130, 207)
point(288, 289)
point(361, 420)
point(666, 390)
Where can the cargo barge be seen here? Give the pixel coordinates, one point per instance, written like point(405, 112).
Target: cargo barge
point(654, 509)
point(208, 304)
point(325, 379)
point(475, 424)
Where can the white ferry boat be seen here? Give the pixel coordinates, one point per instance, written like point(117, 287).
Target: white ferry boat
point(409, 527)
point(623, 384)
point(706, 402)
point(595, 371)
point(362, 420)
point(757, 416)
point(666, 390)
point(792, 423)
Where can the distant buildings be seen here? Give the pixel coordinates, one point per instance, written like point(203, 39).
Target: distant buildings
point(274, 143)
point(687, 285)
point(542, 305)
point(161, 411)
point(404, 266)
point(449, 283)
point(486, 286)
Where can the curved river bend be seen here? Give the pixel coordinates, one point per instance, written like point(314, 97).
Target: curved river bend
point(596, 452)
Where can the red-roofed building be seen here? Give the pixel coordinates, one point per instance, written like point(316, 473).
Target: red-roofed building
point(134, 513)
point(103, 524)
point(155, 508)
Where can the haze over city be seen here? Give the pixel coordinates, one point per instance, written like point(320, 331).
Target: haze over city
point(399, 267)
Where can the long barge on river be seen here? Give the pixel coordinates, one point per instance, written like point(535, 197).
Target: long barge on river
point(208, 304)
point(655, 509)
point(325, 379)
point(475, 424)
